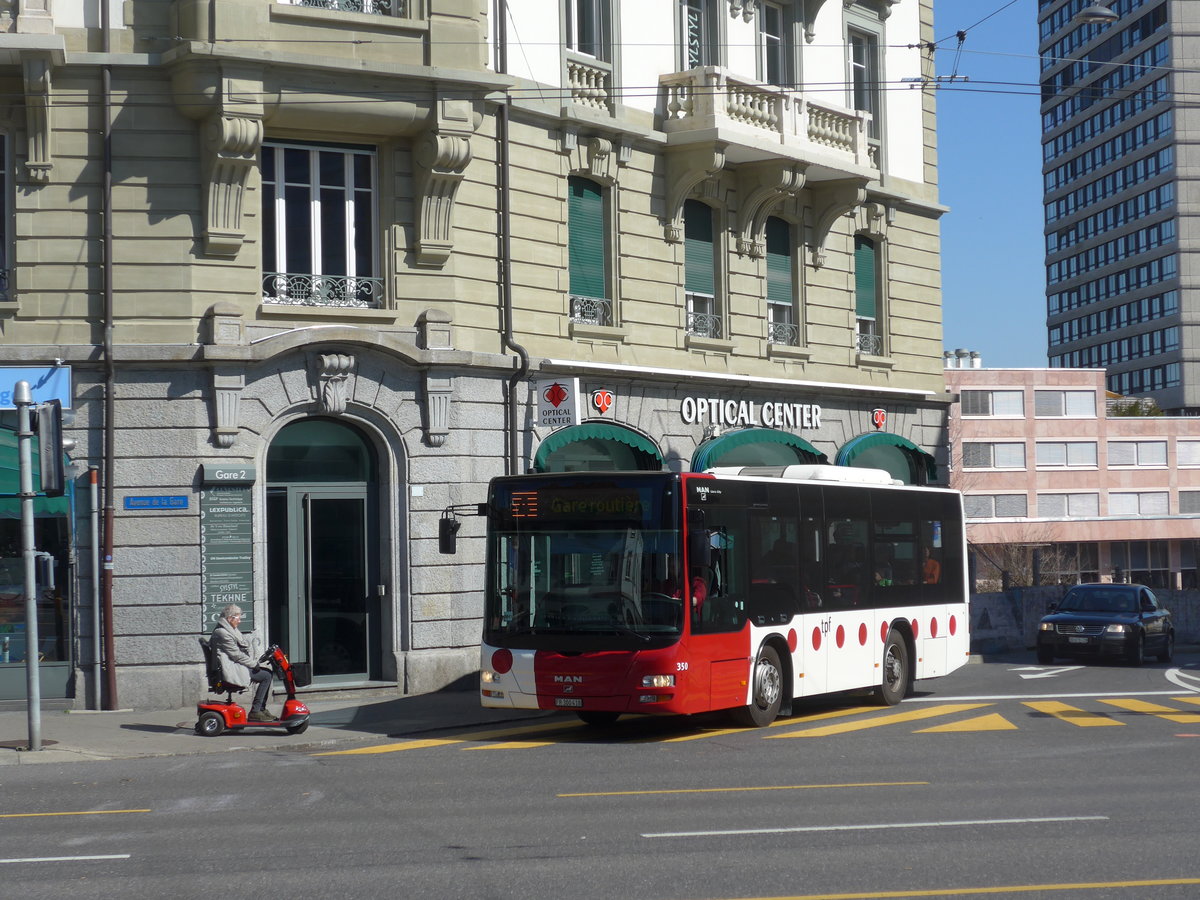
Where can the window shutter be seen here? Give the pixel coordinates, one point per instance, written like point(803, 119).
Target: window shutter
point(864, 277)
point(779, 261)
point(698, 248)
point(585, 238)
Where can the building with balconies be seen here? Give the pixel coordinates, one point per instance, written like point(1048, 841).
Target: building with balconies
point(309, 274)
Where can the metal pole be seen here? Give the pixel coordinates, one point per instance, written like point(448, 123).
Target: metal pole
point(23, 400)
point(93, 484)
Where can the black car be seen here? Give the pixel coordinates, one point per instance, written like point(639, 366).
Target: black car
point(1107, 620)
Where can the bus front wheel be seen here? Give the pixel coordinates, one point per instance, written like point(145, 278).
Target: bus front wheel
point(767, 695)
point(895, 671)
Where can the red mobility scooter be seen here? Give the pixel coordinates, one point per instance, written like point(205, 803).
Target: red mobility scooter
point(217, 716)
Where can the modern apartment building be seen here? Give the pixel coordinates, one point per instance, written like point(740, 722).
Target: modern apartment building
point(1118, 133)
point(308, 274)
point(1044, 465)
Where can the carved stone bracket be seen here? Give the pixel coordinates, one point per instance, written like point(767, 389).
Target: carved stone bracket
point(744, 8)
point(595, 157)
point(830, 201)
point(333, 373)
point(761, 186)
point(440, 158)
point(873, 219)
point(438, 392)
point(231, 145)
point(228, 385)
point(687, 169)
point(39, 158)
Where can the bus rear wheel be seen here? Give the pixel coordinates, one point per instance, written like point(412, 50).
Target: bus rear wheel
point(895, 671)
point(767, 694)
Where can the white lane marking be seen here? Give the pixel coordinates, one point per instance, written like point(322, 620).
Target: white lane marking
point(1185, 680)
point(876, 827)
point(1040, 696)
point(39, 859)
point(1042, 672)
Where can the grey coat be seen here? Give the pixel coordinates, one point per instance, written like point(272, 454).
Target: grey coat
point(233, 654)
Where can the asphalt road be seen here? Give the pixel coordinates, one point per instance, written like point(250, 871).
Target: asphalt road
point(1004, 779)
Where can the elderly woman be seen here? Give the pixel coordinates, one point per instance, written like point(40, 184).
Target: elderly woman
point(238, 667)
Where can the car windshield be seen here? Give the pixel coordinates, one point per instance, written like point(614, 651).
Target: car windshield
point(1107, 600)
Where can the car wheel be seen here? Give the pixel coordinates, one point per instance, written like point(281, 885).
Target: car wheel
point(1045, 655)
point(1137, 653)
point(767, 694)
point(895, 671)
point(1168, 650)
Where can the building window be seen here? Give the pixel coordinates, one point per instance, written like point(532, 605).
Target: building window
point(869, 337)
point(1137, 453)
point(866, 83)
point(781, 284)
point(1141, 562)
point(978, 455)
point(587, 253)
point(1066, 454)
point(1137, 503)
point(699, 26)
point(700, 273)
point(995, 506)
point(1188, 453)
point(1189, 503)
point(319, 232)
point(588, 28)
point(775, 45)
point(1064, 404)
point(993, 403)
point(1062, 506)
point(5, 220)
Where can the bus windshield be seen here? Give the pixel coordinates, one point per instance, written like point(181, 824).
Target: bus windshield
point(581, 556)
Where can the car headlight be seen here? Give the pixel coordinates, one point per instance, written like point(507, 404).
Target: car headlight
point(1116, 628)
point(1045, 626)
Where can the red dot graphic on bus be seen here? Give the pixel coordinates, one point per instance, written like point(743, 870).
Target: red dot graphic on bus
point(816, 638)
point(915, 627)
point(933, 627)
point(862, 634)
point(883, 631)
point(793, 640)
point(841, 636)
point(953, 625)
point(502, 661)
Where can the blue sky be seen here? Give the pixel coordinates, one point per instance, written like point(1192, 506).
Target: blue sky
point(989, 161)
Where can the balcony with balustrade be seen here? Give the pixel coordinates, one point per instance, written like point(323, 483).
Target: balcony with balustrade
point(758, 121)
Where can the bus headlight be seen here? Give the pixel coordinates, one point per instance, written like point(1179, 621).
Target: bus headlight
point(658, 681)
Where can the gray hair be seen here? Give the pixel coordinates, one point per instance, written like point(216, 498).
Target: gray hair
point(231, 610)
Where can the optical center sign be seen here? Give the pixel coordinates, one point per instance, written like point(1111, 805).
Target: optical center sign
point(747, 413)
point(227, 542)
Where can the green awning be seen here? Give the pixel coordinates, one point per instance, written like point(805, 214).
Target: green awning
point(870, 451)
point(594, 431)
point(756, 447)
point(10, 482)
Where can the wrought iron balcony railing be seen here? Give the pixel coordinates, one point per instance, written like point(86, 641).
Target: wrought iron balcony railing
point(371, 7)
point(870, 344)
point(783, 333)
point(704, 325)
point(710, 97)
point(591, 311)
point(323, 290)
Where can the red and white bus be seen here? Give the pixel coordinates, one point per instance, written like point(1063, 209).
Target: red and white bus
point(740, 589)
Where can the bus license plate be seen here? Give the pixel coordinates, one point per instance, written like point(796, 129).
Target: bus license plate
point(1077, 640)
point(572, 702)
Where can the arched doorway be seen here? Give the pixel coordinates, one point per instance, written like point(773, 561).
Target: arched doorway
point(323, 604)
point(597, 446)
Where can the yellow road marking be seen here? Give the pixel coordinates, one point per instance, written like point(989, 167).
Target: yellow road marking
point(1071, 714)
point(1003, 889)
point(86, 812)
point(1193, 699)
point(880, 721)
point(1154, 709)
point(458, 739)
point(729, 790)
point(512, 745)
point(792, 720)
point(990, 722)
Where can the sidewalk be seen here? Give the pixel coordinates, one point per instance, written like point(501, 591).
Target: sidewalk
point(367, 717)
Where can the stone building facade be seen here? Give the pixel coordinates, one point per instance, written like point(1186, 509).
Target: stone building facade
point(319, 270)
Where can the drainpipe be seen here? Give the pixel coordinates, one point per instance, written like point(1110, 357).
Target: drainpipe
point(511, 407)
point(106, 584)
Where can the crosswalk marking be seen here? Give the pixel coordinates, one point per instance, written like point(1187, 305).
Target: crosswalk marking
point(879, 721)
point(989, 722)
point(1155, 709)
point(1072, 714)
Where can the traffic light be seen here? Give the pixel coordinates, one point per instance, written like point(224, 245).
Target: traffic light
point(51, 447)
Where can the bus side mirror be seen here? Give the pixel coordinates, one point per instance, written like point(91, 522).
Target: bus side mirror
point(448, 535)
